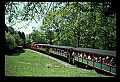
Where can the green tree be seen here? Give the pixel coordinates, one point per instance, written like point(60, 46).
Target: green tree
point(37, 37)
point(17, 38)
point(78, 24)
point(10, 41)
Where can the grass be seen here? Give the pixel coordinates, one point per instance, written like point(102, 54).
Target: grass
point(28, 63)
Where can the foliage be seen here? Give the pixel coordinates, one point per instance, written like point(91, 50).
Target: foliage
point(13, 38)
point(10, 41)
point(17, 38)
point(37, 37)
point(78, 24)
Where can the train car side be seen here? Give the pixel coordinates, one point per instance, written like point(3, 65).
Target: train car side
point(99, 59)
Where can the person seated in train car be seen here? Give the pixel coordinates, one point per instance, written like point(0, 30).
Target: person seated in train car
point(75, 54)
point(65, 52)
point(53, 50)
point(84, 56)
point(56, 49)
point(89, 57)
point(78, 54)
point(112, 62)
point(62, 50)
point(81, 55)
point(59, 50)
point(95, 58)
point(107, 60)
point(99, 59)
point(37, 46)
point(103, 60)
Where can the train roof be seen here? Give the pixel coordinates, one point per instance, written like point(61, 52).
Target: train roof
point(89, 50)
point(97, 51)
point(65, 47)
point(42, 44)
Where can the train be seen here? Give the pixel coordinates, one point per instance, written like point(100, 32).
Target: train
point(103, 60)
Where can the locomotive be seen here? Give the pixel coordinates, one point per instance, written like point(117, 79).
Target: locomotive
point(103, 60)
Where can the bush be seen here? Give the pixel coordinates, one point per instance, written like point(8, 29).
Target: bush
point(10, 41)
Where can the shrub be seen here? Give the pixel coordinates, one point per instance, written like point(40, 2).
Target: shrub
point(10, 41)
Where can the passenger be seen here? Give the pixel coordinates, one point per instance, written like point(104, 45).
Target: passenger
point(85, 56)
point(81, 55)
point(73, 53)
point(89, 58)
point(95, 59)
point(78, 54)
point(100, 59)
point(107, 60)
point(112, 62)
point(37, 46)
point(103, 60)
point(62, 51)
point(65, 52)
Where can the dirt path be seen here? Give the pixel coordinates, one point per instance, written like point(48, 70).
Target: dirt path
point(62, 62)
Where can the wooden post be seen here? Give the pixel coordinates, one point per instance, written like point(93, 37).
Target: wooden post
point(82, 56)
point(87, 61)
point(109, 67)
point(101, 64)
point(93, 61)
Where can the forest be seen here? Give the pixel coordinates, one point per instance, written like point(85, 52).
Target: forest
point(76, 24)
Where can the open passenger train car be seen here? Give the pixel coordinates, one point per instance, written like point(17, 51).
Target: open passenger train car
point(100, 59)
